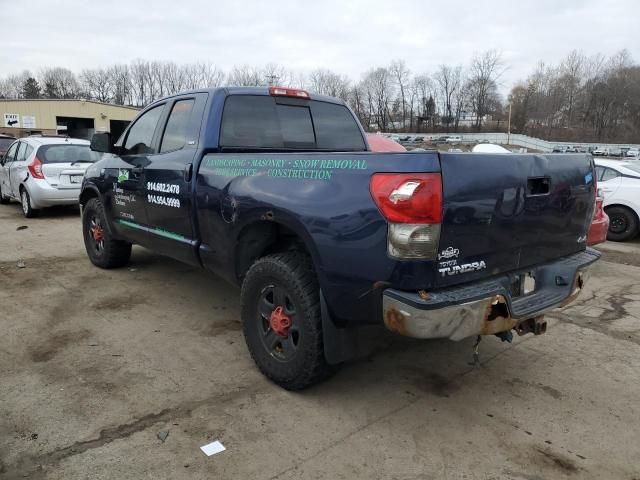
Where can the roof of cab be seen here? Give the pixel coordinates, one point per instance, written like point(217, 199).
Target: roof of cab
point(247, 91)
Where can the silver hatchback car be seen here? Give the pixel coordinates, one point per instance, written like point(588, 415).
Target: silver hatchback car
point(44, 171)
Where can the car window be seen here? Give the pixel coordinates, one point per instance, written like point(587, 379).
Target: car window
point(250, 121)
point(599, 172)
point(25, 152)
point(12, 152)
point(609, 174)
point(67, 153)
point(21, 155)
point(5, 142)
point(297, 129)
point(141, 133)
point(336, 129)
point(634, 166)
point(175, 133)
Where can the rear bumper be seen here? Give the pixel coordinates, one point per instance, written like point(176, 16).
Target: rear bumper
point(487, 307)
point(44, 195)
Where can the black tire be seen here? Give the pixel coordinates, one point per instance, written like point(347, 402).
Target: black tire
point(623, 224)
point(296, 361)
point(25, 202)
point(105, 251)
point(3, 200)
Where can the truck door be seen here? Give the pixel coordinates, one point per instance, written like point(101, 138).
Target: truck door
point(126, 175)
point(169, 200)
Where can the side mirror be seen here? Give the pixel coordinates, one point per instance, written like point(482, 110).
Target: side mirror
point(101, 142)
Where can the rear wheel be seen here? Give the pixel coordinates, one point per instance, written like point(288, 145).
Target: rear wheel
point(282, 321)
point(27, 209)
point(103, 249)
point(623, 224)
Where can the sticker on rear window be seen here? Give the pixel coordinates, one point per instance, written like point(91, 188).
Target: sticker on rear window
point(123, 175)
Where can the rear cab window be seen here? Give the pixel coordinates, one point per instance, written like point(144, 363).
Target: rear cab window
point(278, 123)
point(61, 153)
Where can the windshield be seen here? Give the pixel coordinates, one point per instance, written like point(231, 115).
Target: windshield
point(67, 154)
point(634, 166)
point(5, 142)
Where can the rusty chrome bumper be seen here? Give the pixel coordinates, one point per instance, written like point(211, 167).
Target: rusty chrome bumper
point(487, 307)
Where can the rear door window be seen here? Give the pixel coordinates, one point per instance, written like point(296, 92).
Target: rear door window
point(261, 122)
point(21, 156)
point(175, 133)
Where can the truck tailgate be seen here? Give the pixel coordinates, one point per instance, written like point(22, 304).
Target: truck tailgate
point(505, 212)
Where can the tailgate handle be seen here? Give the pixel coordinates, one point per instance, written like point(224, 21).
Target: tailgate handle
point(538, 186)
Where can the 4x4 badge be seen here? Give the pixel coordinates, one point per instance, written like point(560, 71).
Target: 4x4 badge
point(450, 252)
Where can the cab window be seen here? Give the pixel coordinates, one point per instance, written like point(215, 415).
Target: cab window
point(140, 136)
point(175, 134)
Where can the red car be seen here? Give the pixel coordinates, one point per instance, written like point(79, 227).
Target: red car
point(599, 224)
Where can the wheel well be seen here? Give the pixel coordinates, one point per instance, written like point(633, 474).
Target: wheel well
point(619, 205)
point(264, 238)
point(87, 195)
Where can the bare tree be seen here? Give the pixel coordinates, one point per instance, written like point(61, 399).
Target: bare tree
point(59, 83)
point(97, 84)
point(326, 82)
point(245, 76)
point(11, 86)
point(485, 70)
point(378, 87)
point(448, 80)
point(401, 76)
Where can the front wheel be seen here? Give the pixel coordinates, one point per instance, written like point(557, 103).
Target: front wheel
point(623, 224)
point(282, 321)
point(27, 209)
point(103, 249)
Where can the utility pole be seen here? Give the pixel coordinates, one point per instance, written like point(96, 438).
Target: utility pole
point(509, 124)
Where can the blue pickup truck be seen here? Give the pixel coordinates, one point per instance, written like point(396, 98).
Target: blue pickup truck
point(277, 191)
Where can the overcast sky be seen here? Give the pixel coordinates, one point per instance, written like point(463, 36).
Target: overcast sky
point(346, 36)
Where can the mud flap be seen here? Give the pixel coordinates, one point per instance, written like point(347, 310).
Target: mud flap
point(340, 344)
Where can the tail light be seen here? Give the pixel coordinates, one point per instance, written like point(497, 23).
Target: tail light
point(288, 92)
point(412, 204)
point(35, 168)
